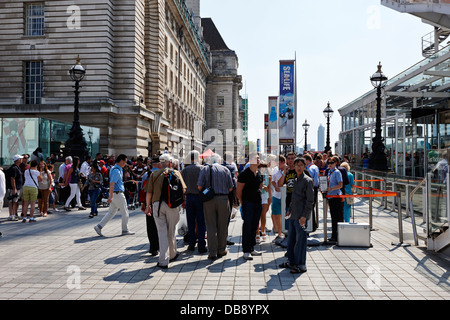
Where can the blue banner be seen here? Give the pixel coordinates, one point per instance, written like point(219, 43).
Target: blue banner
point(286, 108)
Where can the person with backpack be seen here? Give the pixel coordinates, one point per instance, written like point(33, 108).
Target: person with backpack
point(14, 182)
point(116, 198)
point(165, 193)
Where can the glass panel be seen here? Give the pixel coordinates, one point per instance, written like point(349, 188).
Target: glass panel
point(19, 136)
point(437, 197)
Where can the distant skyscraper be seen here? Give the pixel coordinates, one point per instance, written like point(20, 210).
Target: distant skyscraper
point(321, 138)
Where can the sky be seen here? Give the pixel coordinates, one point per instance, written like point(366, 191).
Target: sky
point(337, 44)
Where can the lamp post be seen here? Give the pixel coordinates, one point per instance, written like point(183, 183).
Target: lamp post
point(76, 144)
point(378, 159)
point(328, 112)
point(306, 127)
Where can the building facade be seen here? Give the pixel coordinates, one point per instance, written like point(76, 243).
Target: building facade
point(146, 69)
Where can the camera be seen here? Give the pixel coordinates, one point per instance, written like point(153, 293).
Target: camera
point(13, 196)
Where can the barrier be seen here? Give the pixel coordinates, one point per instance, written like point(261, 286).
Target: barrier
point(370, 196)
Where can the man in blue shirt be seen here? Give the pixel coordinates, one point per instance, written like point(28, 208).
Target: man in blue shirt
point(116, 198)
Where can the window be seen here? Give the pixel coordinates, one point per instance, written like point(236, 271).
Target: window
point(220, 116)
point(220, 101)
point(34, 82)
point(34, 19)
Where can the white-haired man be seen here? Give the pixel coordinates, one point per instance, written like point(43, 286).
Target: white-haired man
point(216, 210)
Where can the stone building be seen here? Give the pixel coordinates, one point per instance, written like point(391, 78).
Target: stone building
point(146, 69)
point(223, 119)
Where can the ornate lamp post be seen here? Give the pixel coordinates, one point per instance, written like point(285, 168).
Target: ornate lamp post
point(378, 159)
point(76, 144)
point(328, 112)
point(306, 127)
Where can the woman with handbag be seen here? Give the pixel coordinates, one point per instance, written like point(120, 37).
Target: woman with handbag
point(348, 190)
point(44, 188)
point(30, 190)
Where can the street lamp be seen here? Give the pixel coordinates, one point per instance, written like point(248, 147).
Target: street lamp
point(76, 144)
point(378, 158)
point(328, 112)
point(306, 127)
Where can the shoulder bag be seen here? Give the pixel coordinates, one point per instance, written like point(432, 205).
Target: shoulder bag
point(208, 193)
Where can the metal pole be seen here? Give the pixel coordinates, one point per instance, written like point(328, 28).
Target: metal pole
point(283, 209)
point(370, 209)
point(325, 202)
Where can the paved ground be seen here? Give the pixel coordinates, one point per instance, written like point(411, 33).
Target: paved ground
point(61, 257)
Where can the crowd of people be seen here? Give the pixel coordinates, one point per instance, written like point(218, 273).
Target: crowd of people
point(215, 189)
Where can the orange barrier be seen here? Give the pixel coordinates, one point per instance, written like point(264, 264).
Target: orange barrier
point(376, 195)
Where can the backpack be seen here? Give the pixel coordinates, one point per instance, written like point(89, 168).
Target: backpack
point(9, 173)
point(172, 190)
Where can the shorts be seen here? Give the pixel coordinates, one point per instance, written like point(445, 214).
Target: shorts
point(9, 193)
point(276, 206)
point(264, 197)
point(30, 193)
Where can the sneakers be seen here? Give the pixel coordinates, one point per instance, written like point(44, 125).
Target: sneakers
point(67, 208)
point(13, 218)
point(98, 230)
point(256, 253)
point(81, 208)
point(247, 256)
point(127, 233)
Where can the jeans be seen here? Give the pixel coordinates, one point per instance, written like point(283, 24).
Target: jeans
point(251, 213)
point(194, 214)
point(297, 244)
point(93, 195)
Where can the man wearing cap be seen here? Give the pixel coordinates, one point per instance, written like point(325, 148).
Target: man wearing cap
point(14, 184)
point(116, 198)
point(166, 218)
point(216, 211)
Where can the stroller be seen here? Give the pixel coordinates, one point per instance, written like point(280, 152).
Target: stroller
point(132, 194)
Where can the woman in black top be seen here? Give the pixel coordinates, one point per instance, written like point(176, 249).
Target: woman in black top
point(248, 192)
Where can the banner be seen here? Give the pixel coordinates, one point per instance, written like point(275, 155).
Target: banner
point(287, 116)
point(273, 143)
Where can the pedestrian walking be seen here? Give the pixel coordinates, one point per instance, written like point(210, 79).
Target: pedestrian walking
point(166, 218)
point(217, 210)
point(248, 191)
point(73, 179)
point(93, 184)
point(116, 198)
point(194, 206)
point(44, 188)
point(30, 190)
point(299, 212)
point(266, 200)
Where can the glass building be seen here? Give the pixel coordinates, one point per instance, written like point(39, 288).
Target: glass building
point(415, 119)
point(24, 135)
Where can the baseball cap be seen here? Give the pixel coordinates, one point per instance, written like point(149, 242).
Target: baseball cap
point(17, 157)
point(164, 158)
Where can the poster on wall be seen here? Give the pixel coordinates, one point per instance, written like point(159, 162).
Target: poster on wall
point(286, 102)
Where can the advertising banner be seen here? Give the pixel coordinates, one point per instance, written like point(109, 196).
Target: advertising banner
point(273, 143)
point(286, 102)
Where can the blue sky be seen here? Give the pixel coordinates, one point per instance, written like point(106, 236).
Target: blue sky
point(338, 45)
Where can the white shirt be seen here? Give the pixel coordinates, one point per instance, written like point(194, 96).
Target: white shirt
point(85, 169)
point(2, 185)
point(29, 178)
point(276, 175)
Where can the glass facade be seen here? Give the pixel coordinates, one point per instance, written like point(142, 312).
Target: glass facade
point(24, 135)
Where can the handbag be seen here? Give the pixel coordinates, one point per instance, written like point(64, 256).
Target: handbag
point(208, 193)
point(350, 201)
